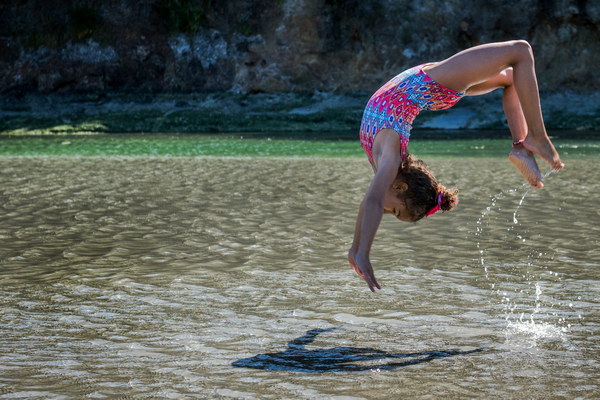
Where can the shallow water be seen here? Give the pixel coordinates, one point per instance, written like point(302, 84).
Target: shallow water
point(226, 278)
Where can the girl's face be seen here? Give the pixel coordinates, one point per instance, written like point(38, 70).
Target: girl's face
point(393, 203)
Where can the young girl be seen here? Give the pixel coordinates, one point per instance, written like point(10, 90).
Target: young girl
point(403, 185)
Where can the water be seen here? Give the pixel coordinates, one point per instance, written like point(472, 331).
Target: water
point(226, 278)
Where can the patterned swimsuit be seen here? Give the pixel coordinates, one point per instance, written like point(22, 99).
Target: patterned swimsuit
point(397, 103)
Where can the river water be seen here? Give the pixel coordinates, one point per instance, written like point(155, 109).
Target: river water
point(226, 278)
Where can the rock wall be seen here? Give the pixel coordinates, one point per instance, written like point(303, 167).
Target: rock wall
point(270, 46)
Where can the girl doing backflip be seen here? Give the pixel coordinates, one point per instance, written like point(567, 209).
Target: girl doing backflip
point(403, 185)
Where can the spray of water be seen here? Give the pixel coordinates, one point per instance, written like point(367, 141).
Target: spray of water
point(515, 220)
point(531, 328)
point(516, 326)
point(479, 230)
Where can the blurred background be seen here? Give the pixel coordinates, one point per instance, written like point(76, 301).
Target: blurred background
point(302, 48)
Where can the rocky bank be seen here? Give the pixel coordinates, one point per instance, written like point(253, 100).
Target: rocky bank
point(310, 59)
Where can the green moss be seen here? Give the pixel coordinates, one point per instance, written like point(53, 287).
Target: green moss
point(15, 126)
point(182, 16)
point(85, 21)
point(246, 29)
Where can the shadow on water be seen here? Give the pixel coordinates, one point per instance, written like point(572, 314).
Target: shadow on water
point(338, 359)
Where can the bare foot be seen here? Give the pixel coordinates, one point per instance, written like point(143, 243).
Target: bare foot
point(545, 149)
point(525, 162)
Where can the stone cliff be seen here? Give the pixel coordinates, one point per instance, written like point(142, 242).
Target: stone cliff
point(274, 46)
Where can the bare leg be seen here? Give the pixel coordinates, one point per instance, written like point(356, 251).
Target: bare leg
point(481, 63)
point(519, 156)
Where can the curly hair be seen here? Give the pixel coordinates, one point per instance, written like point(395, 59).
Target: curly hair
point(423, 189)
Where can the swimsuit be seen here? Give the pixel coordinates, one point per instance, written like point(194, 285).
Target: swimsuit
point(397, 103)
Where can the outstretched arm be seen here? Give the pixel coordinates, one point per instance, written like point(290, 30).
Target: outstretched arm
point(372, 207)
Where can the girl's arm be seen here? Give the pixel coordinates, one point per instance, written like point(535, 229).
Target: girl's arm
point(356, 240)
point(371, 208)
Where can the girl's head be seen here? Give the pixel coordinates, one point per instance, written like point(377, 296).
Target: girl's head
point(420, 192)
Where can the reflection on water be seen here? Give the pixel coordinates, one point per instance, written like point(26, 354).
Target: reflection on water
point(181, 277)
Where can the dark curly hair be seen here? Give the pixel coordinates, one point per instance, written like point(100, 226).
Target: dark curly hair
point(423, 189)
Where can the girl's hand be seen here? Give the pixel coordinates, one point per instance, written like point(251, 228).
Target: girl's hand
point(364, 269)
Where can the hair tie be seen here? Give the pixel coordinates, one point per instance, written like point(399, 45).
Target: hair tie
point(438, 206)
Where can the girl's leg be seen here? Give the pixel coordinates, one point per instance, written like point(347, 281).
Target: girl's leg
point(478, 64)
point(510, 101)
point(520, 157)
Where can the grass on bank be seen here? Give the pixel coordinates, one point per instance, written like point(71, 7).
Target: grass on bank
point(243, 146)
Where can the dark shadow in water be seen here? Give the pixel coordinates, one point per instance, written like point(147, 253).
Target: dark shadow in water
point(338, 359)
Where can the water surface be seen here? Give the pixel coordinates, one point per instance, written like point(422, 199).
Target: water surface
point(226, 278)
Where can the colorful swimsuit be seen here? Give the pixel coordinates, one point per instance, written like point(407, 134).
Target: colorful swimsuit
point(397, 103)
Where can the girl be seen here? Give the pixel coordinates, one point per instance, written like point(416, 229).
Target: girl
point(404, 186)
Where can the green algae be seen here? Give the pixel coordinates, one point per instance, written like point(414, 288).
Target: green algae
point(261, 145)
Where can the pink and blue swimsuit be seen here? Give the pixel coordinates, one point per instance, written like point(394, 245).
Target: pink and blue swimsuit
point(397, 103)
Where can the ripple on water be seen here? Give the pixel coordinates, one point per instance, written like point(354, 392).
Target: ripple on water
point(154, 277)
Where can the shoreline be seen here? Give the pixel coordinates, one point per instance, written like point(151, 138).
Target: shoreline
point(290, 113)
point(219, 145)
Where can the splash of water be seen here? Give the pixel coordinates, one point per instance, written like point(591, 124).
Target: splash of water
point(522, 326)
point(535, 330)
point(486, 212)
point(479, 229)
point(515, 221)
point(531, 328)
